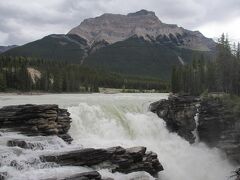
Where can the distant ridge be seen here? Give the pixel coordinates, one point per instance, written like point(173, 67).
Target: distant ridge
point(136, 44)
point(6, 48)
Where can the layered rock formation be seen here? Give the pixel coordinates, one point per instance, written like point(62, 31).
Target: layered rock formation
point(178, 112)
point(117, 159)
point(93, 175)
point(219, 127)
point(115, 27)
point(36, 120)
point(46, 120)
point(218, 124)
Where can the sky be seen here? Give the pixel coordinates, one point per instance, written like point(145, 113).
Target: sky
point(23, 21)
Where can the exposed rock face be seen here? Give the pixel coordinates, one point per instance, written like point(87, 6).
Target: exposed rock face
point(178, 112)
point(115, 27)
point(117, 159)
point(220, 127)
point(36, 120)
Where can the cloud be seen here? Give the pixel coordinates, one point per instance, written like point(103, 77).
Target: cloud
point(24, 21)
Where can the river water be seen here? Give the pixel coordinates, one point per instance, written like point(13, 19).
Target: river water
point(105, 120)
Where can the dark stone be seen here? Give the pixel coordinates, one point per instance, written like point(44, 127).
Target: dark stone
point(15, 164)
point(92, 175)
point(220, 127)
point(3, 175)
point(117, 159)
point(178, 112)
point(33, 120)
point(25, 145)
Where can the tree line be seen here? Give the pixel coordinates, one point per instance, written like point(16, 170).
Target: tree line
point(35, 74)
point(221, 74)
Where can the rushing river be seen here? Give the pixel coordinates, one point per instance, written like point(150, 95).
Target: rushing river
point(105, 120)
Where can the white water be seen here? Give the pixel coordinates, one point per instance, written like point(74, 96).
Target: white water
point(109, 120)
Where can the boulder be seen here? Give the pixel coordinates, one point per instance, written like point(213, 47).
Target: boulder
point(24, 144)
point(33, 120)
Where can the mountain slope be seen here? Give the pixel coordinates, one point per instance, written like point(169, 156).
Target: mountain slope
point(6, 48)
point(138, 57)
point(136, 44)
point(71, 48)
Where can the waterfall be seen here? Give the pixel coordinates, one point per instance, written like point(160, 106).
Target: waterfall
point(128, 123)
point(100, 120)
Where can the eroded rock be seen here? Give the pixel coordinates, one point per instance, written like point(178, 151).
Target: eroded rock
point(178, 112)
point(219, 127)
point(117, 159)
point(37, 120)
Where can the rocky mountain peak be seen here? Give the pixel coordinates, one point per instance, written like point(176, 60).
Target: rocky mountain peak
point(142, 12)
point(113, 28)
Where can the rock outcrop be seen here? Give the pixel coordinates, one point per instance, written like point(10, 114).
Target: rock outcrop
point(178, 112)
point(117, 159)
point(219, 127)
point(36, 120)
point(218, 124)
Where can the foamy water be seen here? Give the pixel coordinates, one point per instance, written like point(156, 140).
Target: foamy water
point(101, 120)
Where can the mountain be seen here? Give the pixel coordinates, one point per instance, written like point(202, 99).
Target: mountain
point(69, 48)
point(6, 48)
point(137, 44)
point(113, 28)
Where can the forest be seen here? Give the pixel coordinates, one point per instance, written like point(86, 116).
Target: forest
point(35, 74)
point(221, 74)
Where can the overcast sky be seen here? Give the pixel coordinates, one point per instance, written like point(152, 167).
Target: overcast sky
point(22, 21)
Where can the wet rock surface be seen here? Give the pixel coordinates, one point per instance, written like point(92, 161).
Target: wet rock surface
point(220, 127)
point(48, 120)
point(178, 112)
point(92, 175)
point(37, 120)
point(24, 144)
point(117, 159)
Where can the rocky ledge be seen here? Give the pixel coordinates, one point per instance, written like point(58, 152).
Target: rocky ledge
point(218, 124)
point(178, 112)
point(37, 120)
point(46, 120)
point(117, 159)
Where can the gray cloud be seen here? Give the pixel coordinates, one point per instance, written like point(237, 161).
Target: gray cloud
point(22, 21)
